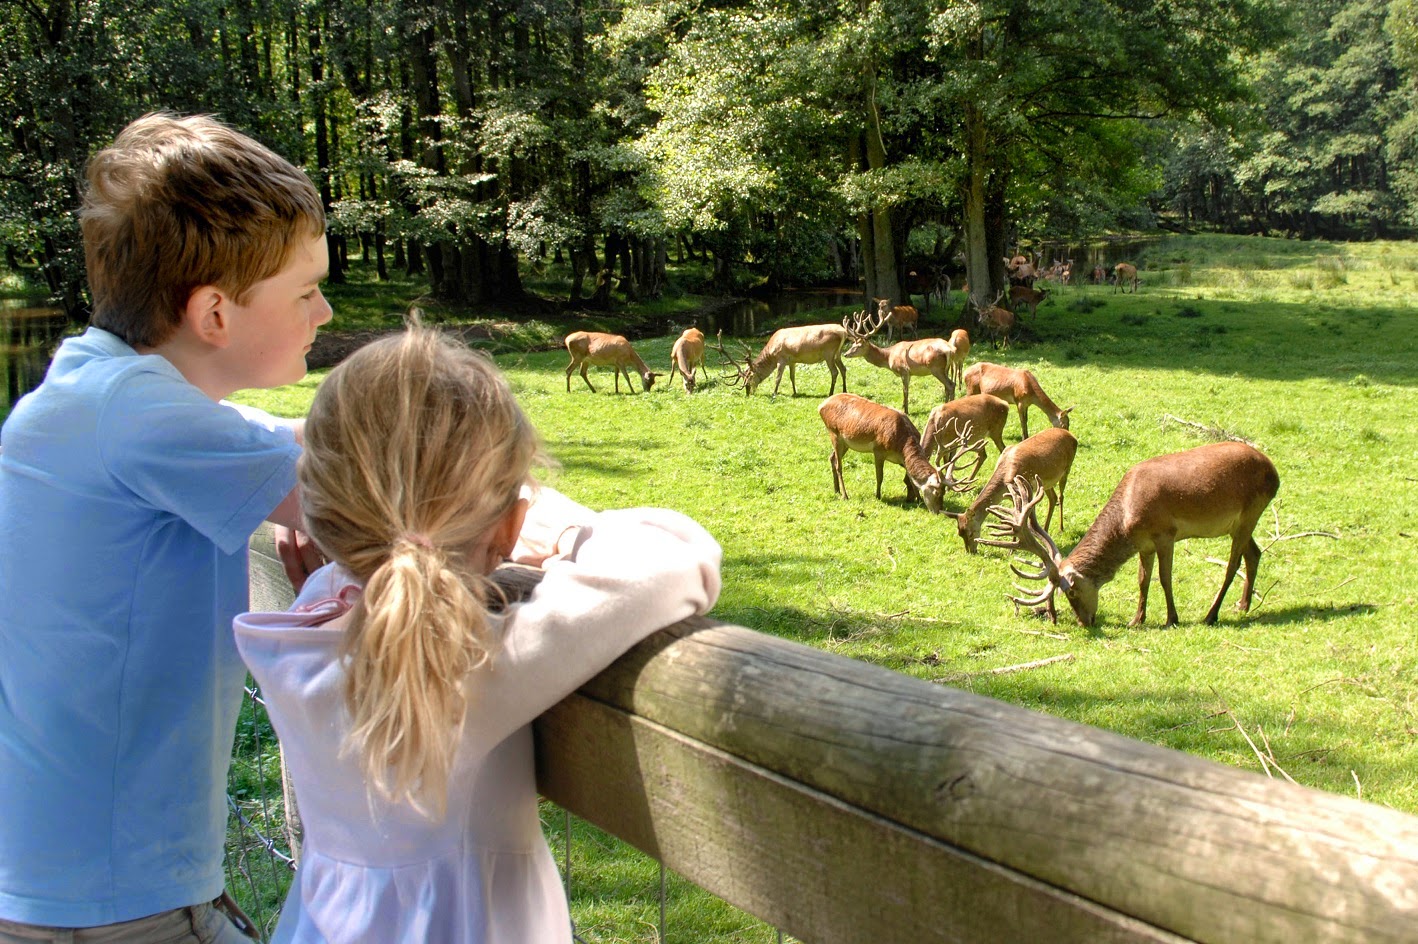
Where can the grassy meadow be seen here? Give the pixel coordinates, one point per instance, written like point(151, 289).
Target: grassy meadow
point(1308, 350)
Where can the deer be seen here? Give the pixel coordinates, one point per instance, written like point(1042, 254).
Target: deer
point(787, 348)
point(905, 359)
point(1028, 297)
point(1209, 491)
point(995, 321)
point(985, 413)
point(859, 424)
point(596, 349)
point(1123, 273)
point(1044, 459)
point(898, 317)
point(1017, 386)
point(687, 356)
point(960, 341)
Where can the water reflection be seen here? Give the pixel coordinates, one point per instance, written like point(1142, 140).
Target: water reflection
point(751, 316)
point(28, 334)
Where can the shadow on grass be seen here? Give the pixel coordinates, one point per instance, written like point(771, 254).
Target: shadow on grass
point(1302, 614)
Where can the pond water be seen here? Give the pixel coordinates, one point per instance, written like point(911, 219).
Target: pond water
point(29, 332)
point(752, 316)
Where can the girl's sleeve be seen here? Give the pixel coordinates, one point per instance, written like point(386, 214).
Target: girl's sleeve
point(630, 573)
point(552, 526)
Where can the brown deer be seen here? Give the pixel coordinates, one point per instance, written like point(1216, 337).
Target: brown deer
point(1044, 459)
point(897, 317)
point(1206, 492)
point(789, 347)
point(993, 320)
point(1022, 295)
point(687, 357)
point(905, 359)
point(1016, 386)
point(960, 341)
point(1124, 273)
point(986, 413)
point(857, 423)
point(595, 349)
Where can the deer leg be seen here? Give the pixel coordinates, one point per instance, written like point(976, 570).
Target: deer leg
point(1164, 574)
point(1053, 500)
point(792, 376)
point(1238, 549)
point(905, 393)
point(779, 382)
point(1023, 420)
point(1144, 577)
point(570, 368)
point(880, 461)
point(839, 484)
point(584, 377)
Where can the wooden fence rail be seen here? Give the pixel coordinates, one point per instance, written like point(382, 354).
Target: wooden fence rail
point(842, 802)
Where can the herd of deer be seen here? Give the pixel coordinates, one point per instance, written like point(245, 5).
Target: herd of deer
point(1208, 491)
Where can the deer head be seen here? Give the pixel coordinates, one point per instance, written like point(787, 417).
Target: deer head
point(861, 327)
point(742, 371)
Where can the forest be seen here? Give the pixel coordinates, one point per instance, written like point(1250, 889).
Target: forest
point(780, 142)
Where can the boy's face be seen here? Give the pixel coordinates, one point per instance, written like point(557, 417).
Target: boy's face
point(272, 332)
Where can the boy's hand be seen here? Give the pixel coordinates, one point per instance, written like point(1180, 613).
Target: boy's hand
point(299, 555)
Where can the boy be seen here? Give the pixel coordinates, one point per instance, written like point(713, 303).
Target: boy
point(128, 492)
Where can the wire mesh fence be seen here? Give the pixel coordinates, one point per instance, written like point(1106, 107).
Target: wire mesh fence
point(618, 895)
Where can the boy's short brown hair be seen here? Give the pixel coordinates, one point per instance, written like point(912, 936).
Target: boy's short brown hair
point(177, 203)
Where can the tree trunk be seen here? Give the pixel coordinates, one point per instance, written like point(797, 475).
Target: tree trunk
point(977, 261)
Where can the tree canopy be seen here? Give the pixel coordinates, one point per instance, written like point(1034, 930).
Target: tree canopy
point(789, 141)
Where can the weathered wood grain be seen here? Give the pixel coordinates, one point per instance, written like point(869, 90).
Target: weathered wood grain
point(830, 797)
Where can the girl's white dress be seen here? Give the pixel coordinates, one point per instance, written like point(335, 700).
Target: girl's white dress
point(371, 871)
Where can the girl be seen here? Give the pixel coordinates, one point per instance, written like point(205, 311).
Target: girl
point(402, 703)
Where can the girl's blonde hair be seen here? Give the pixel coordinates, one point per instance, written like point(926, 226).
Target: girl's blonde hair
point(414, 449)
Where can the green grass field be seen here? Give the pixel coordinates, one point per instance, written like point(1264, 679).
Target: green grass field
point(1309, 350)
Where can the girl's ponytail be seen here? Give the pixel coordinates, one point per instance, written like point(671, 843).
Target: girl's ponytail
point(414, 450)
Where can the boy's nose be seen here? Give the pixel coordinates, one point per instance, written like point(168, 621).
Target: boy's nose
point(323, 312)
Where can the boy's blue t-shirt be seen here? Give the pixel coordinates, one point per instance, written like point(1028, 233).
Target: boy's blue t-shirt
point(127, 497)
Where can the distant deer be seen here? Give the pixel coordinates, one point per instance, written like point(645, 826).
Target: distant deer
point(687, 356)
point(858, 424)
point(1124, 274)
point(985, 413)
point(993, 320)
point(1043, 459)
point(960, 341)
point(789, 347)
point(595, 349)
point(1021, 295)
point(922, 284)
point(906, 359)
point(1206, 492)
point(1016, 386)
point(898, 317)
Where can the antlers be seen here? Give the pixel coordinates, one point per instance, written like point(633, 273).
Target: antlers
point(741, 371)
point(861, 326)
point(958, 447)
point(1018, 530)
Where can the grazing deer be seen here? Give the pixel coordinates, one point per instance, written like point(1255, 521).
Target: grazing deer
point(1206, 492)
point(857, 423)
point(595, 349)
point(1028, 297)
point(1123, 274)
point(905, 359)
point(1044, 459)
point(985, 413)
point(687, 356)
point(1016, 386)
point(960, 341)
point(789, 347)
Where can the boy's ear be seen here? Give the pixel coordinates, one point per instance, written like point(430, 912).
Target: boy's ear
point(205, 315)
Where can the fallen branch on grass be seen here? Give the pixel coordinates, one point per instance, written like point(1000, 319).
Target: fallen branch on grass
point(1214, 432)
point(1005, 669)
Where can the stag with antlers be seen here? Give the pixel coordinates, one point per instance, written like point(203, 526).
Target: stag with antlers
point(858, 424)
point(787, 348)
point(1210, 491)
point(906, 359)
